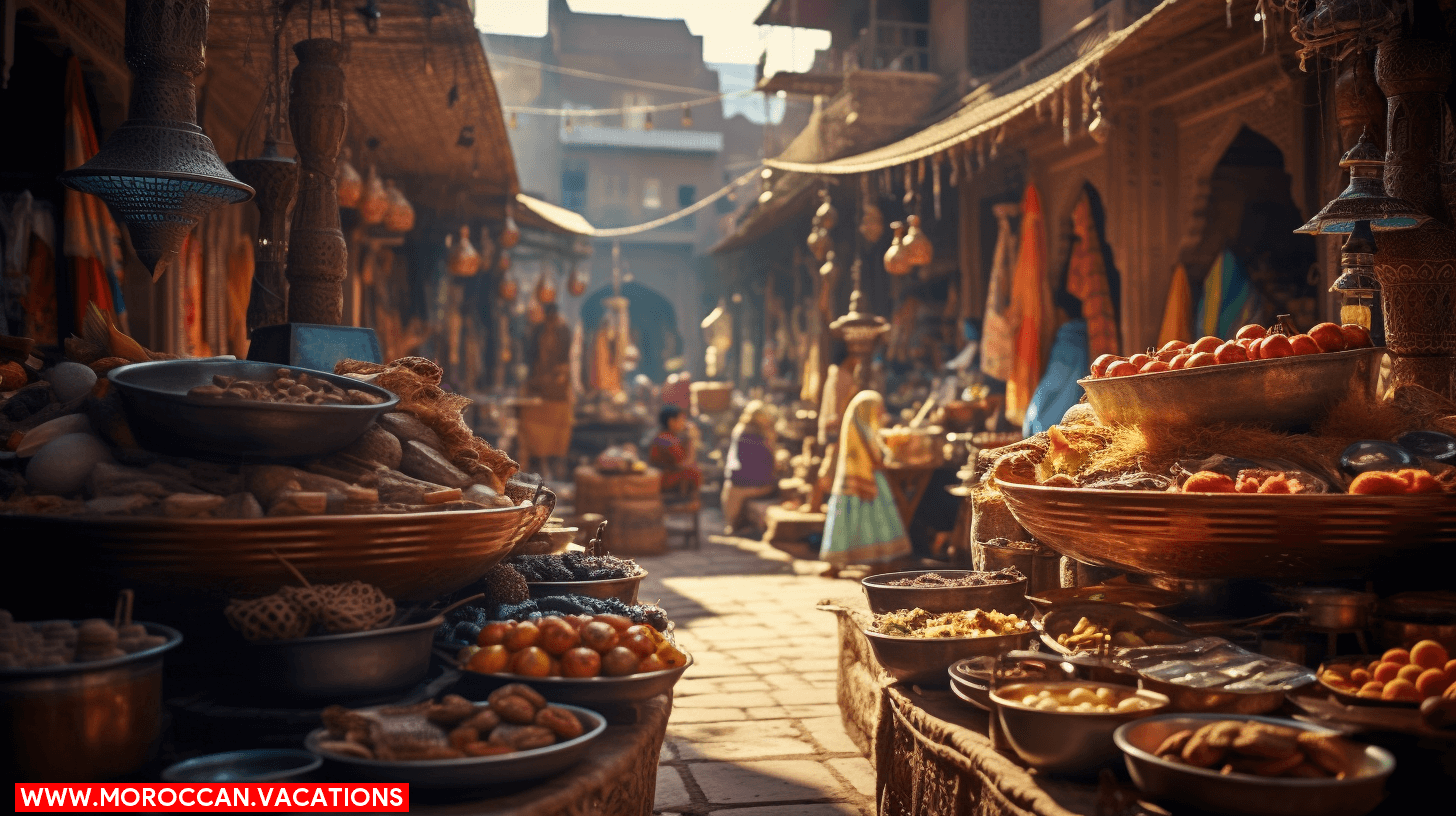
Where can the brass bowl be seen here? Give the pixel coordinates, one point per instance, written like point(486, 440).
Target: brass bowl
point(1208, 535)
point(1287, 393)
point(1008, 596)
point(1066, 741)
point(412, 557)
point(924, 661)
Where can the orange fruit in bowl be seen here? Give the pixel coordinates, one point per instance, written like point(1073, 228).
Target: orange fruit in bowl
point(1428, 654)
point(651, 663)
point(493, 633)
point(531, 661)
point(490, 660)
point(1399, 689)
point(619, 661)
point(1396, 655)
point(1409, 672)
point(581, 662)
point(1372, 689)
point(522, 635)
point(1359, 677)
point(1432, 682)
point(639, 643)
point(599, 636)
point(672, 656)
point(1386, 672)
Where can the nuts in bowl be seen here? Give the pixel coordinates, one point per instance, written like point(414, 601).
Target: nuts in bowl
point(1067, 726)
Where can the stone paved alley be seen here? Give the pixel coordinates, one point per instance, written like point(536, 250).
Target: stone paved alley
point(755, 729)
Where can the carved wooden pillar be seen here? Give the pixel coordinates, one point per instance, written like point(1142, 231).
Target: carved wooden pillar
point(317, 254)
point(1359, 106)
point(1417, 267)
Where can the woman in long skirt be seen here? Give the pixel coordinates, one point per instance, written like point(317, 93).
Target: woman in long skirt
point(862, 525)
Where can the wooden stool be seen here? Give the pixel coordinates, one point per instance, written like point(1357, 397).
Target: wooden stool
point(684, 503)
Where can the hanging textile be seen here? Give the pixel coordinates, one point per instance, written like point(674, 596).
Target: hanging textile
point(1058, 391)
point(192, 297)
point(1087, 281)
point(1177, 314)
point(239, 287)
point(998, 337)
point(39, 304)
point(93, 243)
point(1229, 300)
point(1030, 307)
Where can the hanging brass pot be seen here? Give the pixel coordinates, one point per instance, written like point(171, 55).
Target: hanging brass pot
point(830, 267)
point(351, 184)
point(508, 288)
point(871, 222)
point(503, 263)
point(462, 261)
point(827, 215)
point(400, 217)
point(375, 201)
point(510, 234)
point(916, 245)
point(545, 288)
point(896, 262)
point(576, 284)
point(818, 240)
point(535, 312)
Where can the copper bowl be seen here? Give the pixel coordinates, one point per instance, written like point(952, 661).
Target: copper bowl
point(1287, 393)
point(412, 557)
point(1206, 536)
point(924, 661)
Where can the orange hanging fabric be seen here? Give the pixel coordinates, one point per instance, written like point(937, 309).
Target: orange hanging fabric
point(93, 242)
point(1087, 281)
point(1029, 308)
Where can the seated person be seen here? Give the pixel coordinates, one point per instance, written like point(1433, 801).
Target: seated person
point(672, 453)
point(749, 473)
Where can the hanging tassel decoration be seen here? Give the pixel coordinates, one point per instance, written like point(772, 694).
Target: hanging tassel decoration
point(1067, 114)
point(955, 166)
point(935, 183)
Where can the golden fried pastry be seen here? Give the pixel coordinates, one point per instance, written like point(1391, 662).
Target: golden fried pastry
point(1325, 751)
point(1174, 743)
point(347, 748)
point(1266, 741)
point(1206, 481)
point(451, 709)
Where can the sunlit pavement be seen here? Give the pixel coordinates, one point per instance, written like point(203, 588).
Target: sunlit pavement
point(755, 729)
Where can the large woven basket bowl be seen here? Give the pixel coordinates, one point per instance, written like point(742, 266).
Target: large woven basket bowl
point(412, 557)
point(1202, 535)
point(1285, 394)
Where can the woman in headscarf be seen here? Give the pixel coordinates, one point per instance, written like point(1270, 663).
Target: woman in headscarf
point(862, 525)
point(749, 472)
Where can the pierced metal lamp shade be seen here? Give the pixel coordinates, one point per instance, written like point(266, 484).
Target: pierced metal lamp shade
point(158, 172)
point(1364, 199)
point(859, 329)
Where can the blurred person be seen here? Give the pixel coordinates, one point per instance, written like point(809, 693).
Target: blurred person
point(672, 453)
point(545, 428)
point(749, 471)
point(862, 524)
point(839, 388)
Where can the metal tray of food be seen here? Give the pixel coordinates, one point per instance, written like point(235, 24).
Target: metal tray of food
point(1347, 697)
point(1284, 393)
point(1208, 536)
point(1211, 674)
point(1004, 594)
point(470, 772)
point(597, 691)
point(1119, 621)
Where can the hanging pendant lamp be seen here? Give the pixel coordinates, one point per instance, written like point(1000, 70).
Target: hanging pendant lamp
point(461, 259)
point(351, 184)
point(275, 177)
point(158, 172)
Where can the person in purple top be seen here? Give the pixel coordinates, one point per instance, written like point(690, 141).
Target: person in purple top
point(749, 471)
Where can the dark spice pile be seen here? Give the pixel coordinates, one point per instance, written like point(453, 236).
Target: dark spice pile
point(970, 579)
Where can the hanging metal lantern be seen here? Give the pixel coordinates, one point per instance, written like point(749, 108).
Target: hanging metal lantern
point(896, 263)
point(827, 215)
point(818, 240)
point(351, 184)
point(158, 173)
point(545, 287)
point(871, 222)
point(375, 201)
point(576, 284)
point(508, 288)
point(462, 261)
point(916, 244)
point(275, 178)
point(510, 234)
point(400, 217)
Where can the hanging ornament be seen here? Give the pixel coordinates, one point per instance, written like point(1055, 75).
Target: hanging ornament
point(687, 117)
point(830, 268)
point(508, 288)
point(510, 234)
point(909, 198)
point(935, 184)
point(462, 260)
point(503, 263)
point(895, 261)
point(915, 246)
point(158, 172)
point(485, 247)
point(955, 166)
point(576, 284)
point(351, 184)
point(535, 312)
point(827, 215)
point(545, 287)
point(818, 240)
point(647, 121)
point(400, 217)
point(871, 222)
point(515, 121)
point(375, 201)
point(275, 178)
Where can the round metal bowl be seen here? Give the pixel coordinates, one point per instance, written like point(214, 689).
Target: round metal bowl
point(1350, 698)
point(1209, 535)
point(1008, 596)
point(924, 661)
point(412, 557)
point(1390, 634)
point(165, 419)
point(471, 772)
point(1062, 618)
point(1287, 393)
point(596, 691)
point(83, 722)
point(339, 668)
point(1138, 597)
point(1331, 608)
point(1068, 742)
point(623, 589)
point(259, 765)
point(1237, 794)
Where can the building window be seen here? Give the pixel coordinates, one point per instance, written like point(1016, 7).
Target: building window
point(687, 195)
point(573, 187)
point(635, 119)
point(651, 194)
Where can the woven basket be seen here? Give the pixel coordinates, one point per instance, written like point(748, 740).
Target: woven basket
point(712, 397)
